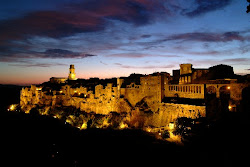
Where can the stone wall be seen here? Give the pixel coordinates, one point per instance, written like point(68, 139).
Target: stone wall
point(105, 107)
point(108, 99)
point(133, 95)
point(169, 112)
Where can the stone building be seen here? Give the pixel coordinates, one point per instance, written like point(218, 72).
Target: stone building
point(187, 74)
point(61, 80)
point(158, 93)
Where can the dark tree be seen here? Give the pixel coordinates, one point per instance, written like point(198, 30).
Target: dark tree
point(248, 7)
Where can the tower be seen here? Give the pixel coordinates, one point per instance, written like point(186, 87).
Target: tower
point(119, 84)
point(185, 69)
point(185, 73)
point(72, 75)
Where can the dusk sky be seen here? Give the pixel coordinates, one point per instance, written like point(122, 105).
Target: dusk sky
point(39, 39)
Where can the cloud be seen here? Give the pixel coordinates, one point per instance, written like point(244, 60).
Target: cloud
point(24, 56)
point(129, 55)
point(144, 67)
point(205, 6)
point(54, 24)
point(70, 19)
point(82, 18)
point(213, 52)
point(232, 61)
point(208, 37)
point(93, 16)
point(146, 36)
point(138, 55)
point(237, 60)
point(103, 63)
point(76, 17)
point(131, 12)
point(31, 64)
point(206, 53)
point(61, 53)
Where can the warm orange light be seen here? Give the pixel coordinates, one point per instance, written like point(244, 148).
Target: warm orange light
point(229, 107)
point(123, 125)
point(228, 87)
point(84, 126)
point(12, 107)
point(171, 126)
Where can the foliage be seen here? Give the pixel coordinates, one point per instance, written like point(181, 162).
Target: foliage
point(165, 134)
point(34, 111)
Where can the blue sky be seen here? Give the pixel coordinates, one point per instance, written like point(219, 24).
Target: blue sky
point(111, 38)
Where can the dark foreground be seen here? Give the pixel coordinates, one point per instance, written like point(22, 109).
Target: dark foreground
point(33, 140)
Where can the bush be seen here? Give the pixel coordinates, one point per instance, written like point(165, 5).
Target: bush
point(165, 134)
point(34, 111)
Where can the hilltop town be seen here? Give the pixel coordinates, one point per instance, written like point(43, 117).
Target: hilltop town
point(154, 100)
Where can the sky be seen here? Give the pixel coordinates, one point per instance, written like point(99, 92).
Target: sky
point(112, 38)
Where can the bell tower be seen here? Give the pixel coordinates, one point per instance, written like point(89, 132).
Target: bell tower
point(72, 75)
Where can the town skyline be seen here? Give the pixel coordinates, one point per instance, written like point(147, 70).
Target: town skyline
point(109, 38)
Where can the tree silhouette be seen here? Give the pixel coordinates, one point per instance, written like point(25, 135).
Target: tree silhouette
point(248, 7)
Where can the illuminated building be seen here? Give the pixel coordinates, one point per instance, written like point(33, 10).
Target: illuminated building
point(185, 94)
